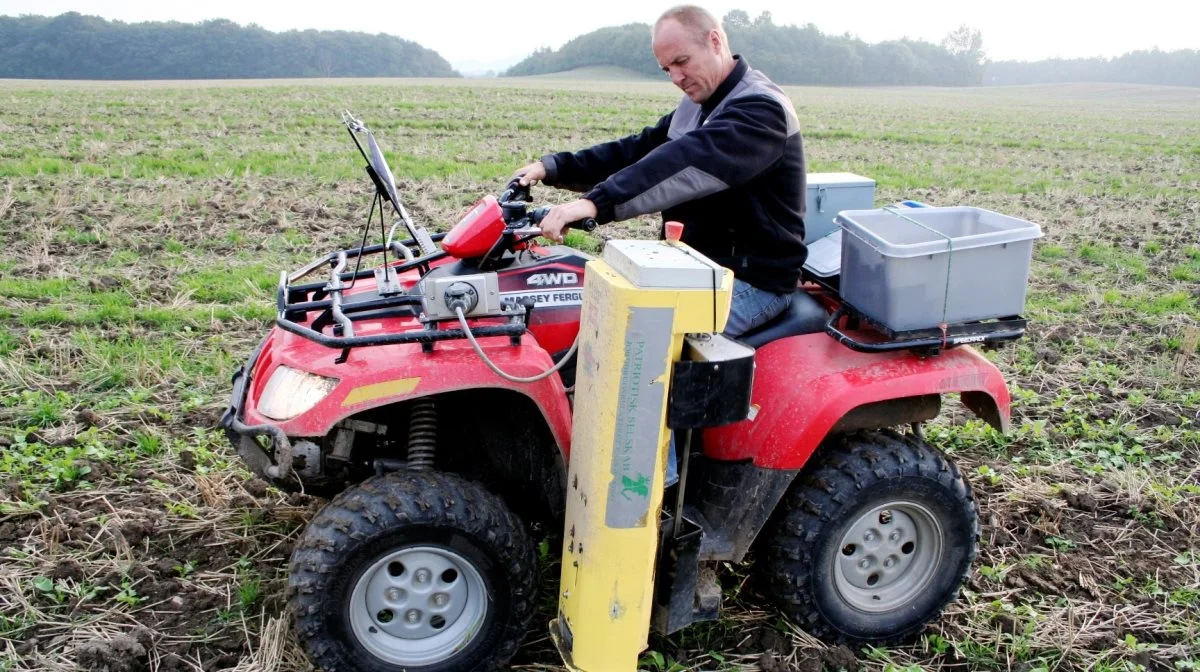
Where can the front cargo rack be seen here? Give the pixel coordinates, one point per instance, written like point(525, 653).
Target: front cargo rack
point(296, 302)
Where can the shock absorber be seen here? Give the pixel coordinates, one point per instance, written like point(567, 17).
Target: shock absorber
point(422, 435)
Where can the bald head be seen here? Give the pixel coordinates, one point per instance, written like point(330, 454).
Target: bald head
point(690, 46)
point(695, 21)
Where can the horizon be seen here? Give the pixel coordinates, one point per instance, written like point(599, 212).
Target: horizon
point(469, 47)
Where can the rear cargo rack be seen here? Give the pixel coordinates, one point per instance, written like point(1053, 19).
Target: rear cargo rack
point(296, 302)
point(924, 341)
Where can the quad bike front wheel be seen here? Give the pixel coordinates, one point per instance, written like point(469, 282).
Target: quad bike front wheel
point(873, 540)
point(415, 571)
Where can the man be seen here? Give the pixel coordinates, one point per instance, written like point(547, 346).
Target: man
point(728, 162)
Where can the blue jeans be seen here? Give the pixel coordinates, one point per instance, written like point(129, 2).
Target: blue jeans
point(750, 308)
point(753, 307)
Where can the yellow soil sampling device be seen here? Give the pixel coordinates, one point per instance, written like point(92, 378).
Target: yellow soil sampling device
point(646, 304)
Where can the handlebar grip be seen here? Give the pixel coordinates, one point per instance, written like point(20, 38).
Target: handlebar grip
point(587, 224)
point(538, 214)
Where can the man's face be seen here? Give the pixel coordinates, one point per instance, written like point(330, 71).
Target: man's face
point(694, 66)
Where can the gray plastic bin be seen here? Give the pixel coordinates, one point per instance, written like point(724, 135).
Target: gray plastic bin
point(914, 268)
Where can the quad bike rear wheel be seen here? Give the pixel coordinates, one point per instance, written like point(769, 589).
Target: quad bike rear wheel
point(873, 540)
point(415, 571)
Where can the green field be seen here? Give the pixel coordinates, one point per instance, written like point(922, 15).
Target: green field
point(144, 227)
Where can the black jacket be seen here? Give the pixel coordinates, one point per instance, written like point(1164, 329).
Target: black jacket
point(731, 169)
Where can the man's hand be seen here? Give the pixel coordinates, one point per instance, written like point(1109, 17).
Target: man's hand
point(531, 173)
point(561, 215)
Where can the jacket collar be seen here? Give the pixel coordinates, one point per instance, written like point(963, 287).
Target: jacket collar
point(739, 70)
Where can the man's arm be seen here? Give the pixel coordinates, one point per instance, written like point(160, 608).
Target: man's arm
point(745, 138)
point(580, 171)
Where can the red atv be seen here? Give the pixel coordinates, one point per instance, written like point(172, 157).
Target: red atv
point(369, 388)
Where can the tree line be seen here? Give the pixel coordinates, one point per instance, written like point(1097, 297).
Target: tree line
point(74, 46)
point(1175, 68)
point(787, 54)
point(805, 55)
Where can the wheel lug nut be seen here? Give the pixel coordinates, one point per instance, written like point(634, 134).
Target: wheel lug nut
point(413, 616)
point(895, 536)
point(440, 599)
point(864, 563)
point(395, 594)
point(869, 536)
point(422, 576)
point(889, 562)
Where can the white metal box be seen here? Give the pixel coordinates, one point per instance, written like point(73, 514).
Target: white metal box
point(830, 193)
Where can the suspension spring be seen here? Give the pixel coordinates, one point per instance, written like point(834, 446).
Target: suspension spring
point(422, 435)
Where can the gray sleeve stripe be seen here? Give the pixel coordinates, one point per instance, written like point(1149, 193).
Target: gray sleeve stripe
point(754, 84)
point(688, 184)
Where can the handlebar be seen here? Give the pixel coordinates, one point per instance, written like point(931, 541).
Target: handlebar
point(538, 214)
point(513, 198)
point(533, 231)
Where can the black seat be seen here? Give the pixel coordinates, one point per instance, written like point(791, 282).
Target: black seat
point(804, 316)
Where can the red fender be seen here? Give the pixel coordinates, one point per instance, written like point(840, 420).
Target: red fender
point(385, 374)
point(804, 384)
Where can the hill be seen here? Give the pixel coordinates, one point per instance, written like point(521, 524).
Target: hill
point(788, 54)
point(74, 46)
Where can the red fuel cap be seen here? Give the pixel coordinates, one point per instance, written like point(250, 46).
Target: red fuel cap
point(674, 230)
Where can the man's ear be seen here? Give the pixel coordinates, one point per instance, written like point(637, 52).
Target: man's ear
point(714, 40)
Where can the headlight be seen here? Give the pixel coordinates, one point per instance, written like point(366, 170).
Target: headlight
point(291, 392)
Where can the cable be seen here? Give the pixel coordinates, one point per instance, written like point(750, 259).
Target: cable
point(462, 320)
point(366, 230)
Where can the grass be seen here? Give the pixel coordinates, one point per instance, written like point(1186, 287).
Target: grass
point(146, 224)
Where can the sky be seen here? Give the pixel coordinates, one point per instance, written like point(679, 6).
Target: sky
point(472, 34)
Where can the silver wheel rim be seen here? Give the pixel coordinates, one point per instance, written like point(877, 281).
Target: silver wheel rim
point(888, 556)
point(418, 605)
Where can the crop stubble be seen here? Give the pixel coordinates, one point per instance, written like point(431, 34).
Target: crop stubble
point(144, 228)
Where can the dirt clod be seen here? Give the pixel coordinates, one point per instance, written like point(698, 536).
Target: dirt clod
point(104, 282)
point(187, 460)
point(256, 487)
point(98, 470)
point(120, 654)
point(1048, 355)
point(1082, 501)
point(89, 418)
point(770, 661)
point(840, 658)
point(165, 567)
point(135, 531)
point(67, 569)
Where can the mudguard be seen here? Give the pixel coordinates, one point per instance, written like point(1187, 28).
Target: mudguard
point(381, 375)
point(803, 385)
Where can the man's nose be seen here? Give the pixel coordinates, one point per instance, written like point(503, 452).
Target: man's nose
point(677, 77)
